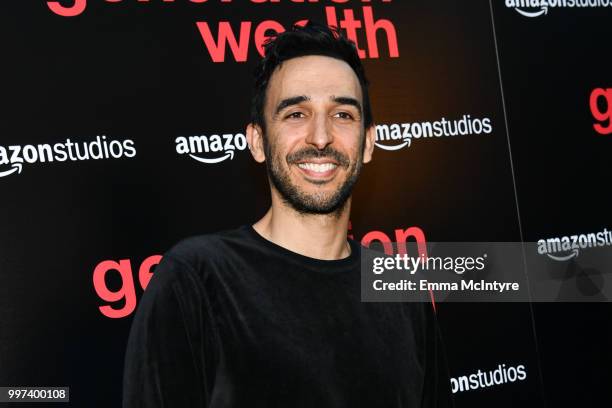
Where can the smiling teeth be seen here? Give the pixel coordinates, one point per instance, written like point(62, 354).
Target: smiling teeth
point(319, 168)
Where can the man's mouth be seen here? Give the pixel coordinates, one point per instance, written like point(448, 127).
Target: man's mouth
point(318, 169)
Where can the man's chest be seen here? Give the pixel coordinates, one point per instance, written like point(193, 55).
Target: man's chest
point(317, 339)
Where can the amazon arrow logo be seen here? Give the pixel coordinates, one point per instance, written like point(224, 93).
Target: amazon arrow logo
point(211, 149)
point(530, 8)
point(543, 10)
point(568, 247)
point(573, 254)
point(16, 168)
point(394, 147)
point(229, 154)
point(395, 133)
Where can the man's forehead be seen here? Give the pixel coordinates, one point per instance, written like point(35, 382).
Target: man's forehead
point(314, 76)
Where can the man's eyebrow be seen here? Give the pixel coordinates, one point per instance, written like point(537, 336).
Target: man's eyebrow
point(294, 100)
point(347, 100)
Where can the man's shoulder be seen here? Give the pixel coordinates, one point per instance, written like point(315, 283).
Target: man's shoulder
point(199, 250)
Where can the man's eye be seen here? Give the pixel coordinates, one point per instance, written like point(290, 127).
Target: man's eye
point(344, 115)
point(295, 115)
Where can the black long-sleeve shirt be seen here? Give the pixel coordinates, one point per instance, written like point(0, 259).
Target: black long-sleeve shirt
point(234, 320)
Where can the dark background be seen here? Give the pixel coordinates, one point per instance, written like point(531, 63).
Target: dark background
point(141, 71)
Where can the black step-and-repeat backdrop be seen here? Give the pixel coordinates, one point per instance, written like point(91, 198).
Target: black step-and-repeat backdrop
point(123, 132)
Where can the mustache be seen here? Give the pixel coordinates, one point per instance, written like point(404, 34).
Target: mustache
point(313, 153)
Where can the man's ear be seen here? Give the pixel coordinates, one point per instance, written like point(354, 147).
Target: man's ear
point(254, 136)
point(370, 138)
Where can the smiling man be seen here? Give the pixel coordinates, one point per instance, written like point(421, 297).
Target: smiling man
point(269, 314)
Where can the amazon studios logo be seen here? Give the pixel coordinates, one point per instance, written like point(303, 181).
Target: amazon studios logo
point(536, 8)
point(18, 155)
point(568, 247)
point(211, 149)
point(484, 379)
point(396, 136)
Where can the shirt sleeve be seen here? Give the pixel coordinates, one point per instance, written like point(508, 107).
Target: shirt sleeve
point(437, 387)
point(168, 359)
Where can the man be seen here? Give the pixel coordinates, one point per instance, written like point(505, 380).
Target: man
point(270, 314)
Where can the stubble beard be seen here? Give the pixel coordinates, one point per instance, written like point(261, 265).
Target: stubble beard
point(318, 203)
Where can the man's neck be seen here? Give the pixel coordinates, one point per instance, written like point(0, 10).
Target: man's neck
point(320, 236)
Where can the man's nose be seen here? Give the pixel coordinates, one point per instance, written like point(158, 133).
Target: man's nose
point(320, 134)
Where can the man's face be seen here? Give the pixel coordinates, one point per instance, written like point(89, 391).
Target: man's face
point(314, 141)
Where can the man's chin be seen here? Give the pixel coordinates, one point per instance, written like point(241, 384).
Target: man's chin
point(311, 196)
point(317, 203)
point(318, 208)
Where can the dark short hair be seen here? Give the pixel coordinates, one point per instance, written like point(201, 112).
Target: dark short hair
point(311, 39)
